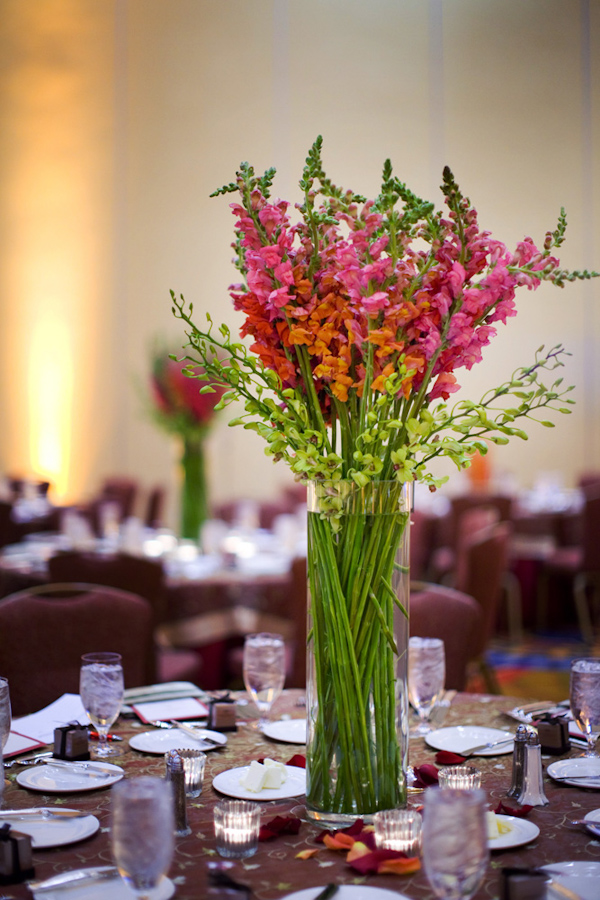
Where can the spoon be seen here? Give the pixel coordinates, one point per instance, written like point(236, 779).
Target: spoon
point(592, 827)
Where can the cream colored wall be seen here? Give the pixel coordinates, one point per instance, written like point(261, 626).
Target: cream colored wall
point(496, 89)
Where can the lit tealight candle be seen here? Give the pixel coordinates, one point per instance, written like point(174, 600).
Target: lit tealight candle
point(237, 823)
point(398, 829)
point(463, 778)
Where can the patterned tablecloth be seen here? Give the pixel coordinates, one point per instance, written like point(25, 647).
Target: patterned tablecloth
point(275, 871)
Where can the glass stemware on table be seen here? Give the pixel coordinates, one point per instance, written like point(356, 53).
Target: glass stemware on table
point(101, 691)
point(426, 677)
point(143, 829)
point(585, 700)
point(455, 844)
point(264, 671)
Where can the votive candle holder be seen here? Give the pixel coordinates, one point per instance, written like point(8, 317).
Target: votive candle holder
point(237, 824)
point(398, 829)
point(464, 778)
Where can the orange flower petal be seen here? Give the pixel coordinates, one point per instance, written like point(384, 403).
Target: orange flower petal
point(307, 854)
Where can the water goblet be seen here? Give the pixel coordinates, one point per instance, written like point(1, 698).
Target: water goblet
point(455, 846)
point(5, 712)
point(426, 677)
point(143, 831)
point(264, 670)
point(585, 700)
point(101, 692)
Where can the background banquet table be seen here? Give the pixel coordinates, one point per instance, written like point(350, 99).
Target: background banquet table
point(275, 871)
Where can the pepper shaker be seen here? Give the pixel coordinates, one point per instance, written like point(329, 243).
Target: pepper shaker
point(518, 762)
point(176, 775)
point(533, 785)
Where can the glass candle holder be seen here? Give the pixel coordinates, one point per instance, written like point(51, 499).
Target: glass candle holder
point(237, 823)
point(398, 829)
point(463, 778)
point(193, 767)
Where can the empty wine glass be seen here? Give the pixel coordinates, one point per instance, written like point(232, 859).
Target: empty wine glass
point(585, 699)
point(5, 712)
point(426, 677)
point(143, 829)
point(101, 692)
point(264, 670)
point(455, 846)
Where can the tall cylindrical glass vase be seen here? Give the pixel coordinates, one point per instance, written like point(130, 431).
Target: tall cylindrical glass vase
point(357, 699)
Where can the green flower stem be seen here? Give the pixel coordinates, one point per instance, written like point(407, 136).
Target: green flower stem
point(194, 500)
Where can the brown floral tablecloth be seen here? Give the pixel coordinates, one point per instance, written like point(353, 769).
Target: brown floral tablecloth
point(275, 871)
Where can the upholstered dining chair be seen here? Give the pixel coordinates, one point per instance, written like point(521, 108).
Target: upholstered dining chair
point(442, 612)
point(45, 630)
point(121, 570)
point(480, 573)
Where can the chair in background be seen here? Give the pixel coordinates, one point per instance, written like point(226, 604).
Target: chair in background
point(581, 564)
point(454, 617)
point(155, 507)
point(45, 630)
point(119, 493)
point(481, 573)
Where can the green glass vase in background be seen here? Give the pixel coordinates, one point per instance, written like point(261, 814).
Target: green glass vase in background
point(194, 500)
point(357, 697)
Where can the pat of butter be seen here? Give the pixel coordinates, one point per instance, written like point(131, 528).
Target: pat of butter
point(496, 827)
point(254, 778)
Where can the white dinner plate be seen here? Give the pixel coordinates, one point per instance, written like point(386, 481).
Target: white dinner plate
point(593, 816)
point(115, 888)
point(228, 782)
point(522, 832)
point(582, 765)
point(54, 832)
point(460, 738)
point(290, 731)
point(348, 892)
point(580, 877)
point(51, 779)
point(165, 739)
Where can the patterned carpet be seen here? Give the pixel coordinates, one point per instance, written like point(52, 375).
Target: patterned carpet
point(537, 668)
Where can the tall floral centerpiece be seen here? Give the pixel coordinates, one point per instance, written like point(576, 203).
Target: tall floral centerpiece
point(360, 314)
point(180, 409)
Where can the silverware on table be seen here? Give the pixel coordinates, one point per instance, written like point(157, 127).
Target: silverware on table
point(84, 769)
point(328, 892)
point(488, 746)
point(42, 813)
point(75, 878)
point(27, 760)
point(197, 733)
point(575, 777)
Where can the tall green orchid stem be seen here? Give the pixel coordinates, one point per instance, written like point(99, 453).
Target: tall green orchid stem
point(358, 633)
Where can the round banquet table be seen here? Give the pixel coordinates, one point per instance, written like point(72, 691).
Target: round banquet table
point(275, 871)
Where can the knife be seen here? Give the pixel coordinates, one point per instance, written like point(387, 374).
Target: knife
point(79, 768)
point(42, 813)
point(193, 732)
point(327, 892)
point(74, 879)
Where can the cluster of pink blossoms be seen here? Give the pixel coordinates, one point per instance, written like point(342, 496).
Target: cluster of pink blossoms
point(362, 299)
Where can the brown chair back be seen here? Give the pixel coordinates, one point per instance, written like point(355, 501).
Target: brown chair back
point(454, 617)
point(120, 570)
point(44, 631)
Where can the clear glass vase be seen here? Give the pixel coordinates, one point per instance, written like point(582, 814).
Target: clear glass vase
point(357, 698)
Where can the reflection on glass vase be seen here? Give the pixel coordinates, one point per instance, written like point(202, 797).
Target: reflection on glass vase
point(357, 698)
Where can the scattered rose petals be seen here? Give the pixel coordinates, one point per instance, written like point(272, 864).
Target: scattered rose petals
point(307, 854)
point(425, 776)
point(297, 760)
point(279, 825)
point(519, 811)
point(353, 829)
point(447, 758)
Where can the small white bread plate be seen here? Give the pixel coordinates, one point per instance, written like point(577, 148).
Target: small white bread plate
point(62, 780)
point(522, 832)
point(348, 892)
point(52, 832)
point(163, 740)
point(571, 771)
point(579, 877)
point(290, 731)
point(115, 888)
point(460, 739)
point(228, 782)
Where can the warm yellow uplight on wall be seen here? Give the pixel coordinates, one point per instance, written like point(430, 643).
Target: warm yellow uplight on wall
point(50, 392)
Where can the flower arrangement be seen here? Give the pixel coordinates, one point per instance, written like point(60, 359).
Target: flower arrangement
point(361, 314)
point(179, 408)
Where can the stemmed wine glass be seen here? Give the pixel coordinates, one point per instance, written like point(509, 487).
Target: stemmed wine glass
point(264, 670)
point(426, 677)
point(101, 691)
point(455, 846)
point(585, 700)
point(143, 829)
point(5, 712)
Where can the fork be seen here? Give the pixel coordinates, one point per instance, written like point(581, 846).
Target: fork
point(192, 732)
point(488, 746)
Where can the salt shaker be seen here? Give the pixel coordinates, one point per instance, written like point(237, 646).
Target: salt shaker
point(518, 762)
point(533, 785)
point(176, 775)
